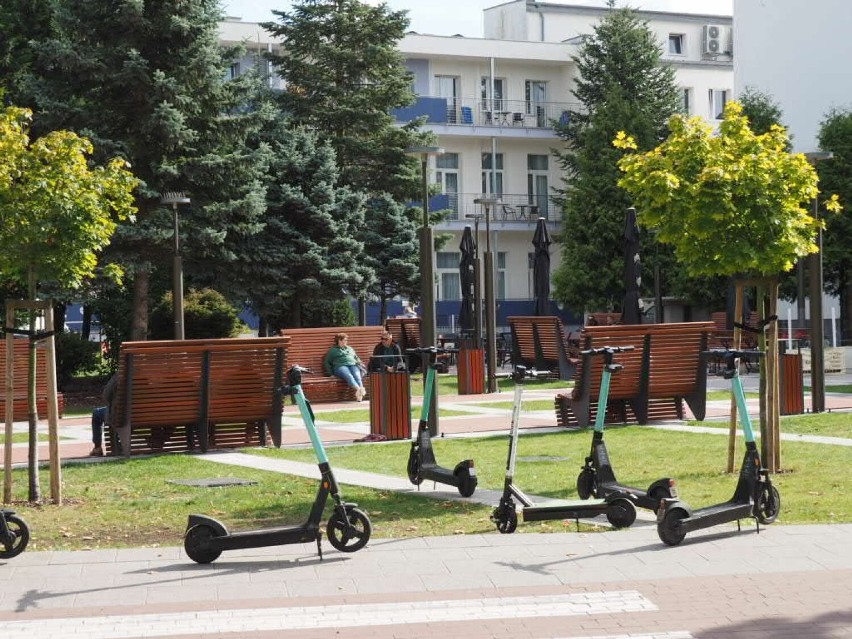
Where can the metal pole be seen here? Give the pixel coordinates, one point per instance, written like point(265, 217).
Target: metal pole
point(490, 311)
point(817, 343)
point(177, 284)
point(477, 289)
point(427, 297)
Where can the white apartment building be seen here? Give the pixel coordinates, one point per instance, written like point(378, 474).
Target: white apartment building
point(497, 97)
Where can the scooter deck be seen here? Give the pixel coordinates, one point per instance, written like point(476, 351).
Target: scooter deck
point(268, 537)
point(718, 514)
point(570, 510)
point(640, 495)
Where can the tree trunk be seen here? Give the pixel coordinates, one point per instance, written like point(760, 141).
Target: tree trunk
point(86, 324)
point(32, 407)
point(139, 322)
point(59, 313)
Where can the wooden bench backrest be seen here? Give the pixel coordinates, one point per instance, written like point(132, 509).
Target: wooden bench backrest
point(21, 369)
point(308, 346)
point(606, 319)
point(627, 382)
point(405, 331)
point(168, 381)
point(675, 358)
point(540, 342)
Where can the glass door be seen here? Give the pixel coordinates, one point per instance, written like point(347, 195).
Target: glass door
point(537, 186)
point(448, 88)
point(536, 97)
point(447, 176)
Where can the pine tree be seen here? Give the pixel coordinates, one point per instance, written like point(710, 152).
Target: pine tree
point(622, 86)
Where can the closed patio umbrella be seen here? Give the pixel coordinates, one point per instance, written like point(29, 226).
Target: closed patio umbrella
point(468, 254)
point(630, 312)
point(541, 268)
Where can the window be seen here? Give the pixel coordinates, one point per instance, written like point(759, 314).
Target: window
point(234, 71)
point(718, 99)
point(500, 287)
point(537, 184)
point(685, 101)
point(447, 176)
point(535, 94)
point(676, 44)
point(485, 93)
point(488, 176)
point(447, 266)
point(448, 87)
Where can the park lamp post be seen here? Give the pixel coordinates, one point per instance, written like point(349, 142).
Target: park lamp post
point(174, 198)
point(427, 271)
point(815, 287)
point(488, 203)
point(477, 282)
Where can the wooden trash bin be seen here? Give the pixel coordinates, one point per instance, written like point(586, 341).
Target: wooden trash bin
point(792, 386)
point(470, 367)
point(390, 405)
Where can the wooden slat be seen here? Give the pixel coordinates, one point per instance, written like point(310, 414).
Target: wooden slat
point(21, 377)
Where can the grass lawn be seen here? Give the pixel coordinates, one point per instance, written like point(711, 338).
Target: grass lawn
point(132, 502)
point(826, 424)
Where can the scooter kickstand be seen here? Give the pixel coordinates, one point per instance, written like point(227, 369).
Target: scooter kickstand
point(319, 546)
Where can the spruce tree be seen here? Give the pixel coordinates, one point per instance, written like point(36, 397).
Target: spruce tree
point(622, 86)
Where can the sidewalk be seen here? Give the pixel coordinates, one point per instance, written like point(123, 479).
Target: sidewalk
point(786, 582)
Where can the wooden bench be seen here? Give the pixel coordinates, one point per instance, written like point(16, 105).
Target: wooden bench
point(406, 334)
point(21, 381)
point(541, 343)
point(308, 347)
point(664, 370)
point(605, 319)
point(216, 393)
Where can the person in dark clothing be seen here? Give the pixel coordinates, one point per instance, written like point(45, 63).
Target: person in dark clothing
point(387, 356)
point(101, 416)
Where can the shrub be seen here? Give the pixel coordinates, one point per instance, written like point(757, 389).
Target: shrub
point(74, 355)
point(206, 314)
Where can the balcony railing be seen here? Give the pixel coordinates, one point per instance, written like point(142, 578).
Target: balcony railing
point(490, 113)
point(519, 208)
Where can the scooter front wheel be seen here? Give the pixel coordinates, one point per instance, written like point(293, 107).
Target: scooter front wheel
point(414, 475)
point(197, 544)
point(669, 529)
point(506, 519)
point(17, 539)
point(621, 513)
point(352, 536)
point(586, 484)
point(768, 504)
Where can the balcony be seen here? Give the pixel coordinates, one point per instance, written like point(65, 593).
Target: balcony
point(487, 113)
point(515, 209)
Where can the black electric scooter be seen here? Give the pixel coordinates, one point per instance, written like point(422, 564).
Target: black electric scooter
point(597, 476)
point(421, 460)
point(348, 529)
point(14, 534)
point(619, 509)
point(754, 496)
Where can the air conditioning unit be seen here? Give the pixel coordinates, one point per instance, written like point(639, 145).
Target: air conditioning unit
point(715, 39)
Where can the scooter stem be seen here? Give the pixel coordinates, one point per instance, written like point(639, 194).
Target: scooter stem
point(427, 394)
point(308, 418)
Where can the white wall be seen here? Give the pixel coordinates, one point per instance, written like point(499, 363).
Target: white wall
point(800, 54)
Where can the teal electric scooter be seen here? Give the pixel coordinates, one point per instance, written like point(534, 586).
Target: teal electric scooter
point(348, 529)
point(421, 460)
point(754, 496)
point(597, 478)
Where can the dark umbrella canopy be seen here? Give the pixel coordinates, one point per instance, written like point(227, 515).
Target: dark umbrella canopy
point(541, 268)
point(630, 312)
point(468, 255)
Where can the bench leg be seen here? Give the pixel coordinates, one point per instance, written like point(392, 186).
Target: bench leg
point(123, 433)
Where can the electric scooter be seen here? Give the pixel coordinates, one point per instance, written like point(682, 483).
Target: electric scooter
point(348, 529)
point(421, 460)
point(754, 496)
point(597, 476)
point(14, 534)
point(619, 509)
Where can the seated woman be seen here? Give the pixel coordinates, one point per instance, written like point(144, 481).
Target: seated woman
point(387, 357)
point(342, 361)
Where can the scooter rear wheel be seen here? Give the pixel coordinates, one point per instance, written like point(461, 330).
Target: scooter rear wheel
point(768, 504)
point(586, 484)
point(621, 513)
point(467, 483)
point(197, 546)
point(669, 530)
point(19, 537)
point(349, 538)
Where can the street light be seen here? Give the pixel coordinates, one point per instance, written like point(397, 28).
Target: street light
point(174, 198)
point(815, 285)
point(488, 203)
point(477, 284)
point(427, 272)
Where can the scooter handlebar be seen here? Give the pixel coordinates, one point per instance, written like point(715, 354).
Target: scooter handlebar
point(607, 349)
